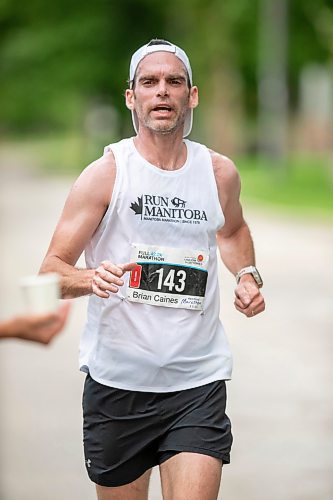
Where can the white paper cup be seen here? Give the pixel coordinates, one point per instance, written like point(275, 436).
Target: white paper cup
point(41, 293)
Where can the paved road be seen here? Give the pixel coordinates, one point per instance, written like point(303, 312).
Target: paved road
point(280, 399)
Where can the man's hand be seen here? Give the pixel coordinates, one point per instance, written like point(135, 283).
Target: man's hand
point(37, 327)
point(249, 300)
point(107, 277)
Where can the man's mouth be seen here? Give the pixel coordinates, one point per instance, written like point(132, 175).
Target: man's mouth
point(162, 108)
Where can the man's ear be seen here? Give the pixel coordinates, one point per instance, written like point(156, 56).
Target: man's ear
point(194, 97)
point(129, 99)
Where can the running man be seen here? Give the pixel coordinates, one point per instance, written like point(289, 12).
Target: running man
point(150, 214)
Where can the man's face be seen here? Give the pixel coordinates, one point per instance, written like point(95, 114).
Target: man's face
point(161, 95)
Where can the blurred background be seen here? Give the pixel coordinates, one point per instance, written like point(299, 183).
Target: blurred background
point(264, 69)
point(265, 74)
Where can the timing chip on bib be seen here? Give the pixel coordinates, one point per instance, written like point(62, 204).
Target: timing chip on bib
point(169, 277)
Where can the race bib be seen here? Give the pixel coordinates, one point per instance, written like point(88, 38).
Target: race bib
point(169, 277)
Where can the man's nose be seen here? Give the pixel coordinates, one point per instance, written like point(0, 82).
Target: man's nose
point(162, 89)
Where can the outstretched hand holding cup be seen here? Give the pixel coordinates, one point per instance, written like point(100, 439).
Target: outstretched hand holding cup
point(36, 327)
point(44, 318)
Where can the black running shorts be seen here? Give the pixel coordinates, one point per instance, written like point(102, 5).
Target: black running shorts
point(126, 433)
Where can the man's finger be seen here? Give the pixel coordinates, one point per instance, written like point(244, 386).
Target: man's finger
point(249, 312)
point(239, 304)
point(255, 307)
point(112, 268)
point(244, 297)
point(98, 292)
point(128, 266)
point(103, 278)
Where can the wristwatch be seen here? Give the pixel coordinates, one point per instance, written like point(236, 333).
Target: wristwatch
point(250, 270)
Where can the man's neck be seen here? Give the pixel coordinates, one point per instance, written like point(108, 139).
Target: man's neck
point(167, 152)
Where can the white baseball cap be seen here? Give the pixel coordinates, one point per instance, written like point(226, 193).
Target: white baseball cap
point(157, 45)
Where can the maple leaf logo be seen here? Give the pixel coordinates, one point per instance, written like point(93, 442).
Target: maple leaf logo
point(137, 206)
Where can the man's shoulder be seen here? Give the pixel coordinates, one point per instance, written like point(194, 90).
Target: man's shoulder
point(102, 171)
point(103, 166)
point(225, 170)
point(96, 181)
point(118, 146)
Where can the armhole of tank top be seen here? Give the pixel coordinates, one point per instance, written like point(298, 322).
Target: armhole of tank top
point(114, 148)
point(214, 188)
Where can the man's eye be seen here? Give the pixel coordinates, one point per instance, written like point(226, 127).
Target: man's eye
point(148, 82)
point(175, 82)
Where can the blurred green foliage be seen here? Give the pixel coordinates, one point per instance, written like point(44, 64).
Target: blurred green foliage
point(61, 62)
point(303, 185)
point(58, 58)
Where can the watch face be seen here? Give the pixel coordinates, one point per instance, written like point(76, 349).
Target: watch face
point(257, 277)
point(253, 271)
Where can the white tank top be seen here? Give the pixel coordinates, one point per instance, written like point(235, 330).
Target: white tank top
point(161, 331)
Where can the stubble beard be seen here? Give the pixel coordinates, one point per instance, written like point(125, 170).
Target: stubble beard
point(163, 127)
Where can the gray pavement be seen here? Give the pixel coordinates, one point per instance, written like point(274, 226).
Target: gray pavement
point(280, 398)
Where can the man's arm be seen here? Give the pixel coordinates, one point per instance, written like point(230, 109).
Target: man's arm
point(234, 240)
point(84, 209)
